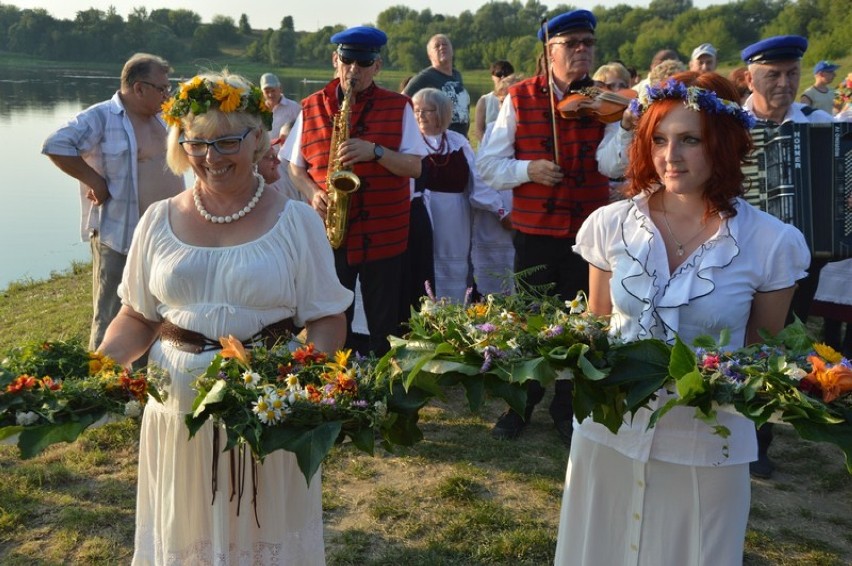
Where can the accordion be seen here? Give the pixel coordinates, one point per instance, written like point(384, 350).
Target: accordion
point(802, 174)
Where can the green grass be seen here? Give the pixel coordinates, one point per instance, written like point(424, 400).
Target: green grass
point(458, 498)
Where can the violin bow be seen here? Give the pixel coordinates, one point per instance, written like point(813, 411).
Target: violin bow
point(549, 70)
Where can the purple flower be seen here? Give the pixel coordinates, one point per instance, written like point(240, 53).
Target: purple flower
point(486, 327)
point(429, 292)
point(468, 292)
point(328, 401)
point(554, 331)
point(360, 403)
point(222, 375)
point(490, 354)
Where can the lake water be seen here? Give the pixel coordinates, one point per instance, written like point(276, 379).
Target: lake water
point(40, 227)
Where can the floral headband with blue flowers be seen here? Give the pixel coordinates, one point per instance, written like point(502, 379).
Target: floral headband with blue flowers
point(694, 98)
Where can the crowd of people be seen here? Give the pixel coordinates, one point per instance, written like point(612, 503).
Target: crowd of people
point(360, 189)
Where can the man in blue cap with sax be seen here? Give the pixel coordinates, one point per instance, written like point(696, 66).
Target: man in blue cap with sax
point(354, 125)
point(774, 72)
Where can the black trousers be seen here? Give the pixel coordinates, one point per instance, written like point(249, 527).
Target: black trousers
point(381, 289)
point(568, 273)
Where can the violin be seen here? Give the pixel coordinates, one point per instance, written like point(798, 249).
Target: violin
point(598, 103)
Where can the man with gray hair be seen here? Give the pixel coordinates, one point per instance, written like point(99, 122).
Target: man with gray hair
point(774, 72)
point(284, 110)
point(443, 76)
point(703, 59)
point(117, 150)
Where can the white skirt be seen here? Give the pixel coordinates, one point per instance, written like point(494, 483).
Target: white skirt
point(620, 511)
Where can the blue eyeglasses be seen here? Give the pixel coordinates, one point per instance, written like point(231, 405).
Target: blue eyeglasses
point(226, 145)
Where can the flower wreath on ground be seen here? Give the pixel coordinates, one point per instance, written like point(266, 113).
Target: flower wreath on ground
point(495, 346)
point(51, 391)
point(303, 401)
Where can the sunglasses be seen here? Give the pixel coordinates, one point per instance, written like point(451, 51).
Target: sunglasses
point(500, 74)
point(575, 43)
point(360, 63)
point(226, 145)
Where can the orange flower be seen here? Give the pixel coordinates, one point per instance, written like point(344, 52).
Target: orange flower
point(307, 355)
point(48, 383)
point(314, 394)
point(347, 384)
point(833, 381)
point(137, 386)
point(21, 382)
point(233, 348)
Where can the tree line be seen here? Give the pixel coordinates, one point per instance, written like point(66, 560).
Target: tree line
point(497, 30)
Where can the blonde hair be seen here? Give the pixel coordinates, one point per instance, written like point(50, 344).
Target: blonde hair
point(213, 121)
point(612, 68)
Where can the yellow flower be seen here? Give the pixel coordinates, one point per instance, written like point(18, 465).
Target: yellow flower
point(195, 82)
point(828, 353)
point(341, 357)
point(228, 96)
point(99, 362)
point(233, 348)
point(477, 310)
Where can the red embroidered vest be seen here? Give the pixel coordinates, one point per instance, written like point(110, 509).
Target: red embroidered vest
point(379, 210)
point(559, 210)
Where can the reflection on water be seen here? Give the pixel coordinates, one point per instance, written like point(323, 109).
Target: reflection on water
point(40, 227)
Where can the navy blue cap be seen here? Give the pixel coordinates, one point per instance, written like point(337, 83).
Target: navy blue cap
point(825, 66)
point(778, 48)
point(362, 43)
point(569, 21)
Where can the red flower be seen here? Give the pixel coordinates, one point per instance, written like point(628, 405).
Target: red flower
point(307, 355)
point(346, 384)
point(314, 394)
point(710, 361)
point(21, 382)
point(48, 383)
point(137, 386)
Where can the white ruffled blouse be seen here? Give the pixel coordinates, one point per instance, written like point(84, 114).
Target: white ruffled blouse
point(712, 290)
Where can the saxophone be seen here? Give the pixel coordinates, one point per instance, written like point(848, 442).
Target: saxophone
point(340, 182)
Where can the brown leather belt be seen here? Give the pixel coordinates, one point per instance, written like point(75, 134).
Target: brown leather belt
point(196, 343)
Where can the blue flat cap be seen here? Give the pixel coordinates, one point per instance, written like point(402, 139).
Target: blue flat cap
point(825, 66)
point(778, 48)
point(360, 42)
point(569, 21)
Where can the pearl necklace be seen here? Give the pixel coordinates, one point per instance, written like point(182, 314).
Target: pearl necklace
point(196, 196)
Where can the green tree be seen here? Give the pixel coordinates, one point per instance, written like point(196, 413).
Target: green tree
point(244, 26)
point(205, 42)
point(184, 22)
point(282, 48)
point(224, 28)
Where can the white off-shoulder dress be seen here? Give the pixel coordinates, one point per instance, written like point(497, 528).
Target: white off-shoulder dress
point(287, 272)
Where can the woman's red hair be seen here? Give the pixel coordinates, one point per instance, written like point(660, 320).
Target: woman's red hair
point(725, 140)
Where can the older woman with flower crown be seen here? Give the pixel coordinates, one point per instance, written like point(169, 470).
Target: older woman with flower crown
point(227, 258)
point(683, 255)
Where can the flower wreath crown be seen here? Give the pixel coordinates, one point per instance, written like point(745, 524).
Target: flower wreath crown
point(694, 98)
point(198, 95)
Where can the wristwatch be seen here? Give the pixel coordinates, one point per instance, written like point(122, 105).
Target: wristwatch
point(378, 152)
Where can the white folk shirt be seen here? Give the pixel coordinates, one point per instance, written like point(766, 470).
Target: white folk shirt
point(712, 290)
